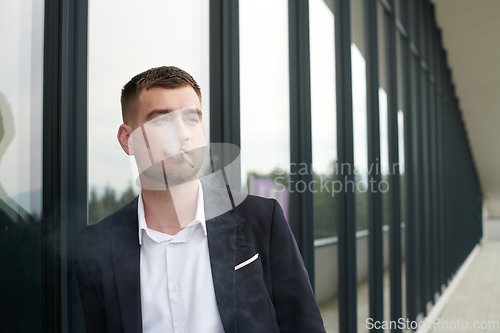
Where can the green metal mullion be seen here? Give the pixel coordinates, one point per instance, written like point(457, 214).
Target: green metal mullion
point(301, 204)
point(51, 180)
point(433, 149)
point(440, 156)
point(375, 235)
point(224, 72)
point(428, 249)
point(452, 192)
point(449, 176)
point(345, 151)
point(64, 160)
point(446, 173)
point(409, 129)
point(446, 183)
point(456, 208)
point(394, 175)
point(464, 203)
point(420, 216)
point(450, 170)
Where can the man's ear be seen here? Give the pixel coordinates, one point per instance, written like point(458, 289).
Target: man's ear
point(125, 139)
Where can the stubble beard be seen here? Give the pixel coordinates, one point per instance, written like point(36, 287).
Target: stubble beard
point(161, 175)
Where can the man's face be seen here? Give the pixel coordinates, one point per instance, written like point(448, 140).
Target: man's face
point(169, 120)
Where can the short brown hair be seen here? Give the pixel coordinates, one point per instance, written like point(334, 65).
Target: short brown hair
point(169, 77)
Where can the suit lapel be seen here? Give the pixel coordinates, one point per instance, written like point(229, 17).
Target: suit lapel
point(221, 233)
point(126, 263)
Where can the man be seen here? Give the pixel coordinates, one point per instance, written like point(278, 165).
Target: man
point(185, 256)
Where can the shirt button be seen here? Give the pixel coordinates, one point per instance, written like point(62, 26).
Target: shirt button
point(175, 288)
point(172, 244)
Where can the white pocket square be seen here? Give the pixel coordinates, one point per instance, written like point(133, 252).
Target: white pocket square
point(246, 262)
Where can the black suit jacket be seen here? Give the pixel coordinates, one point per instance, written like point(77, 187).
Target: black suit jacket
point(271, 294)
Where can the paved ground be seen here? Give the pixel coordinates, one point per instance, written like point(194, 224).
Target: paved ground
point(476, 299)
point(330, 312)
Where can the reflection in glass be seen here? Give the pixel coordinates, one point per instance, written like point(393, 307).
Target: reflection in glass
point(21, 38)
point(401, 135)
point(264, 86)
point(360, 138)
point(385, 168)
point(360, 176)
point(324, 151)
point(402, 191)
point(323, 110)
point(118, 52)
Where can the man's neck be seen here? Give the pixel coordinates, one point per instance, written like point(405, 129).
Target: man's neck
point(171, 210)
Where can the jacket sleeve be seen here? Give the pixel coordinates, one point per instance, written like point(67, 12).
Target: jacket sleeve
point(293, 298)
point(95, 318)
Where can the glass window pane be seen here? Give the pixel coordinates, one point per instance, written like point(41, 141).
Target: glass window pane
point(361, 185)
point(324, 151)
point(324, 116)
point(361, 180)
point(138, 39)
point(21, 60)
point(265, 119)
point(401, 136)
point(385, 168)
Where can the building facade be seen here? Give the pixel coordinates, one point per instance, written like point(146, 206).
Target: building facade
point(345, 111)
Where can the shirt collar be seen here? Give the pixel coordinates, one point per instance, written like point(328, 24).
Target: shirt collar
point(199, 217)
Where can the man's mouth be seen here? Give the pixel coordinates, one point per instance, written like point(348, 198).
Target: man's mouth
point(183, 156)
point(185, 151)
point(187, 159)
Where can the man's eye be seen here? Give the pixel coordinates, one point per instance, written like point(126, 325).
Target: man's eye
point(193, 119)
point(160, 120)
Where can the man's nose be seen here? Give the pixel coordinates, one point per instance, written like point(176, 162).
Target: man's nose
point(181, 131)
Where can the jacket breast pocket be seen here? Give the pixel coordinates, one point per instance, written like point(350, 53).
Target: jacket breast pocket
point(248, 268)
point(254, 309)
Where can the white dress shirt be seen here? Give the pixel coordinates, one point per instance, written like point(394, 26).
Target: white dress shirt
point(177, 291)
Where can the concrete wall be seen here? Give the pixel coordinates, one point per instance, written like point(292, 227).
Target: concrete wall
point(493, 229)
point(326, 263)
